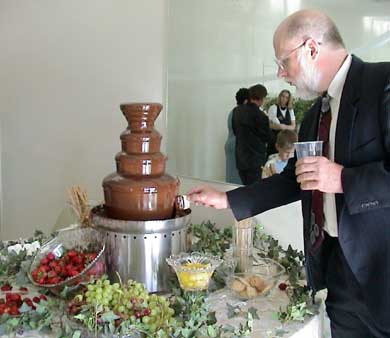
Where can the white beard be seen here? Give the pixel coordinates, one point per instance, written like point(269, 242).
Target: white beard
point(308, 80)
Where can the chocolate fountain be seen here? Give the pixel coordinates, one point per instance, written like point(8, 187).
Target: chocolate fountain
point(139, 218)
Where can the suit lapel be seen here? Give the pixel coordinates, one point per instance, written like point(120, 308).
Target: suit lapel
point(348, 112)
point(346, 120)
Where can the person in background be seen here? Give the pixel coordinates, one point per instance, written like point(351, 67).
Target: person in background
point(251, 127)
point(285, 147)
point(281, 117)
point(232, 175)
point(345, 192)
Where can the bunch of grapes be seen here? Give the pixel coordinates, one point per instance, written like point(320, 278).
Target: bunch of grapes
point(102, 292)
point(131, 302)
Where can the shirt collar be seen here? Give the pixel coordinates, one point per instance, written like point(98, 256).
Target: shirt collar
point(337, 84)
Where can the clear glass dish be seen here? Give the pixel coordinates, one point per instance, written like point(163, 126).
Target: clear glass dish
point(76, 238)
point(194, 270)
point(258, 281)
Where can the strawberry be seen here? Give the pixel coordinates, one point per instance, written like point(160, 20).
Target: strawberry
point(34, 274)
point(28, 301)
point(16, 297)
point(73, 273)
point(56, 280)
point(93, 256)
point(282, 286)
point(14, 311)
point(42, 297)
point(8, 297)
point(23, 289)
point(42, 280)
point(50, 256)
point(72, 253)
point(36, 299)
point(53, 264)
point(76, 260)
point(6, 287)
point(44, 261)
point(51, 274)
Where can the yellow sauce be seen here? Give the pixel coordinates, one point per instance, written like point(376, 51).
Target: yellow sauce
point(194, 280)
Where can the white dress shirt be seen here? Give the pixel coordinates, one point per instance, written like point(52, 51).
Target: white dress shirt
point(334, 91)
point(273, 114)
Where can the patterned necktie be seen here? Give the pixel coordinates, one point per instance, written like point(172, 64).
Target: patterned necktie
point(316, 231)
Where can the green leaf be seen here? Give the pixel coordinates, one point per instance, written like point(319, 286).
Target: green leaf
point(109, 316)
point(228, 328)
point(280, 332)
point(211, 331)
point(80, 316)
point(76, 334)
point(24, 308)
point(253, 312)
point(233, 311)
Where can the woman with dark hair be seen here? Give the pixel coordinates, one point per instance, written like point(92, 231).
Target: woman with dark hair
point(281, 117)
point(232, 175)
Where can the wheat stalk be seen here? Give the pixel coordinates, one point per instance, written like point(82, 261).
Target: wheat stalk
point(78, 200)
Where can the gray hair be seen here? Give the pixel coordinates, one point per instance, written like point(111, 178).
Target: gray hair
point(313, 24)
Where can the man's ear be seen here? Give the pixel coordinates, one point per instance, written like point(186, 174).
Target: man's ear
point(314, 48)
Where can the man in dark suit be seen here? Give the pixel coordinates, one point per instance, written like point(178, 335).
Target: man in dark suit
point(347, 235)
point(251, 127)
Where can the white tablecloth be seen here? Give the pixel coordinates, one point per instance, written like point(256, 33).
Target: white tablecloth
point(268, 325)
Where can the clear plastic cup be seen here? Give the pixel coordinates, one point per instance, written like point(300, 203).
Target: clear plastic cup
point(312, 148)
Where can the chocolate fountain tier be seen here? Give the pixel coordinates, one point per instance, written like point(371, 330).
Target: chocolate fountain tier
point(140, 198)
point(139, 142)
point(141, 116)
point(130, 165)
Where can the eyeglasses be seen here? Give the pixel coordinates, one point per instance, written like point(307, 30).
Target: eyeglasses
point(282, 63)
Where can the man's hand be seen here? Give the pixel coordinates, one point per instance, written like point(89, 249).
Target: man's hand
point(208, 197)
point(318, 173)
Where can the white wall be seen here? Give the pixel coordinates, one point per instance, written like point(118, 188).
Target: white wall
point(65, 68)
point(1, 185)
point(216, 47)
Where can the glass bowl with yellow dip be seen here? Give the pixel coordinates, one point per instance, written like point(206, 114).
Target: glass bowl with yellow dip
point(194, 270)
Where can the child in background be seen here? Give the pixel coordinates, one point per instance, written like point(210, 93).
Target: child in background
point(285, 147)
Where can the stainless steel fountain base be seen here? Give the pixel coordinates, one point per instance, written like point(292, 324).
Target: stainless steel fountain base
point(137, 249)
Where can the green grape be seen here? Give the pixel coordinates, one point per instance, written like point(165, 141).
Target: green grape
point(145, 319)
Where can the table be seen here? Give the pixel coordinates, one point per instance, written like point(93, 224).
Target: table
point(268, 325)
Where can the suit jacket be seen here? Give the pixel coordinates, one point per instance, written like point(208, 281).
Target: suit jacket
point(362, 146)
point(251, 127)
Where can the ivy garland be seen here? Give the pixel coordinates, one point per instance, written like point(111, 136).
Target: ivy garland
point(191, 309)
point(209, 239)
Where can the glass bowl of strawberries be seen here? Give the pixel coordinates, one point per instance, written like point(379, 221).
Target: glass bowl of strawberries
point(73, 256)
